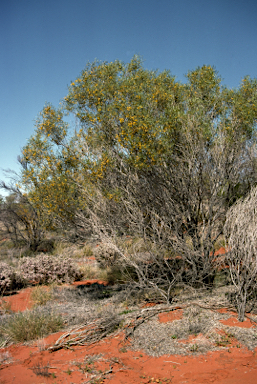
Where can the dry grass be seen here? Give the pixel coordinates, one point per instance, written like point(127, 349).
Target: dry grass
point(89, 271)
point(89, 333)
point(41, 295)
point(72, 250)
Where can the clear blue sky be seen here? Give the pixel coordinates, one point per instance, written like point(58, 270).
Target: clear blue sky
point(45, 44)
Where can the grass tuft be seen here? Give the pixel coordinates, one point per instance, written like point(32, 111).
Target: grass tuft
point(30, 325)
point(41, 370)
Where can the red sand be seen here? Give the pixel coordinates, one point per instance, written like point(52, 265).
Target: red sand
point(170, 316)
point(221, 251)
point(233, 321)
point(89, 282)
point(230, 366)
point(20, 301)
point(26, 363)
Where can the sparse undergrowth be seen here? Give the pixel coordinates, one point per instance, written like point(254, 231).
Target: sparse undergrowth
point(94, 312)
point(106, 255)
point(116, 307)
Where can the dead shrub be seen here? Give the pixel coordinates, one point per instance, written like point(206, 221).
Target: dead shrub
point(241, 234)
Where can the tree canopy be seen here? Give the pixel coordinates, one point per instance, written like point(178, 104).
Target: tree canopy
point(148, 155)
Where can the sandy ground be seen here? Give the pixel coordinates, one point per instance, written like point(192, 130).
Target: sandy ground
point(112, 361)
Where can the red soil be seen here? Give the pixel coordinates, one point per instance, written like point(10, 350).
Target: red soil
point(19, 301)
point(170, 316)
point(22, 300)
point(219, 259)
point(89, 282)
point(232, 321)
point(25, 363)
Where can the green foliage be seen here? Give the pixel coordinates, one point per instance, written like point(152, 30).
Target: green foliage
point(128, 109)
point(122, 109)
point(141, 116)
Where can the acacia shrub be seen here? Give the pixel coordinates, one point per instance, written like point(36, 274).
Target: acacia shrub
point(150, 157)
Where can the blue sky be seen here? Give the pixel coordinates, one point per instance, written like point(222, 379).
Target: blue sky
point(45, 45)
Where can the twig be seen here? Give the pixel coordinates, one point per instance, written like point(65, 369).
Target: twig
point(99, 377)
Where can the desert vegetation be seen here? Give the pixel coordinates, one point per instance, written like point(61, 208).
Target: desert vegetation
point(155, 177)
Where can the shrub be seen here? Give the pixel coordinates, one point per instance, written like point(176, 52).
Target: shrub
point(45, 269)
point(9, 279)
point(241, 235)
point(106, 254)
point(29, 325)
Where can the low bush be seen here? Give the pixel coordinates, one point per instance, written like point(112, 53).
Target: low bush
point(45, 269)
point(9, 279)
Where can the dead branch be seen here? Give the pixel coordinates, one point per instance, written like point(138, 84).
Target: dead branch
point(87, 334)
point(96, 330)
